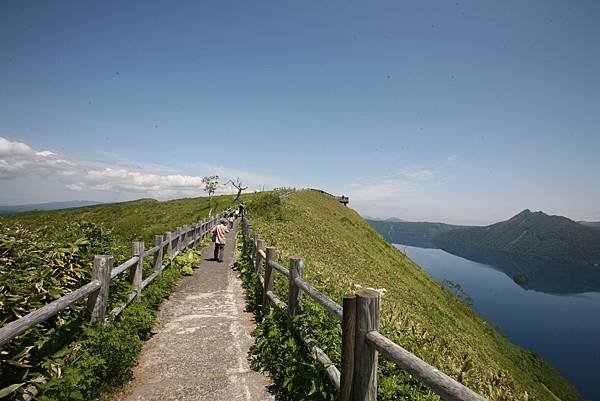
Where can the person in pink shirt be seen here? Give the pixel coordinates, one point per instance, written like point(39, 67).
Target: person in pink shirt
point(219, 239)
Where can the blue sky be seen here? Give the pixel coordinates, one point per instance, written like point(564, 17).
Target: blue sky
point(465, 112)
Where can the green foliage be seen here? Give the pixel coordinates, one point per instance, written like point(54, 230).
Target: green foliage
point(44, 255)
point(296, 375)
point(187, 260)
point(37, 269)
point(105, 354)
point(340, 250)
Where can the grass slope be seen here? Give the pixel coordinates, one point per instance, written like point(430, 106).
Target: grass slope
point(341, 249)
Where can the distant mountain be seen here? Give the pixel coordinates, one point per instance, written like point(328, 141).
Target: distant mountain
point(593, 224)
point(393, 219)
point(534, 234)
point(46, 206)
point(411, 233)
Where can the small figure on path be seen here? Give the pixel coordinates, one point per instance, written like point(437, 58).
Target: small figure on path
point(219, 239)
point(231, 219)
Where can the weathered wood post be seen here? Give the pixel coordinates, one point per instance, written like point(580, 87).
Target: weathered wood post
point(137, 249)
point(364, 383)
point(348, 338)
point(296, 270)
point(158, 256)
point(182, 238)
point(255, 237)
point(169, 236)
point(271, 257)
point(177, 246)
point(98, 300)
point(248, 238)
point(194, 234)
point(260, 246)
point(186, 237)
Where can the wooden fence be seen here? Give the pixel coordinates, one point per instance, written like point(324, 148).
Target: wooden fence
point(97, 290)
point(361, 340)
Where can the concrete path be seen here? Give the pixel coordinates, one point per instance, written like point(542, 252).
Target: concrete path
point(203, 336)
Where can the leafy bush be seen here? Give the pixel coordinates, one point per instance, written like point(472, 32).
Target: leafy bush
point(297, 375)
point(36, 269)
point(105, 355)
point(50, 257)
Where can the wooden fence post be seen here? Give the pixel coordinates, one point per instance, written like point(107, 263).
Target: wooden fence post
point(169, 236)
point(296, 270)
point(348, 338)
point(271, 257)
point(137, 249)
point(180, 239)
point(255, 237)
point(177, 241)
point(260, 246)
point(158, 256)
point(97, 300)
point(364, 383)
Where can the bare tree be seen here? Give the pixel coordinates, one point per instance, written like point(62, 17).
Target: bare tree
point(239, 186)
point(211, 183)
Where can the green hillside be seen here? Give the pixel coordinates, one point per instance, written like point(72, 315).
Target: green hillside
point(341, 249)
point(126, 221)
point(530, 234)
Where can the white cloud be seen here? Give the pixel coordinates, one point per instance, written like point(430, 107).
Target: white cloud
point(417, 175)
point(19, 160)
point(9, 148)
point(391, 186)
point(74, 187)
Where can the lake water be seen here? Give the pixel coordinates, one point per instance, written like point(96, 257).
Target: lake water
point(554, 311)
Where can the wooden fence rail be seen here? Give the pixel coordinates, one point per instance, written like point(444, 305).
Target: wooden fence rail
point(97, 290)
point(361, 339)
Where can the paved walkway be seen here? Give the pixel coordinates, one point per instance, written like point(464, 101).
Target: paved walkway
point(203, 336)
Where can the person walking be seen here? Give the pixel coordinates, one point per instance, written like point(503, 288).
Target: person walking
point(219, 239)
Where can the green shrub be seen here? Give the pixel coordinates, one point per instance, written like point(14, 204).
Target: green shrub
point(105, 354)
point(297, 375)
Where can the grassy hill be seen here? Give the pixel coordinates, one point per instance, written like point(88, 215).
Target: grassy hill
point(126, 221)
point(341, 249)
point(530, 234)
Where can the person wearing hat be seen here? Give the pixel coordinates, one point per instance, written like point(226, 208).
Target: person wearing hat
point(219, 239)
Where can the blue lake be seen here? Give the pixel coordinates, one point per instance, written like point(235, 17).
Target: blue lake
point(554, 310)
